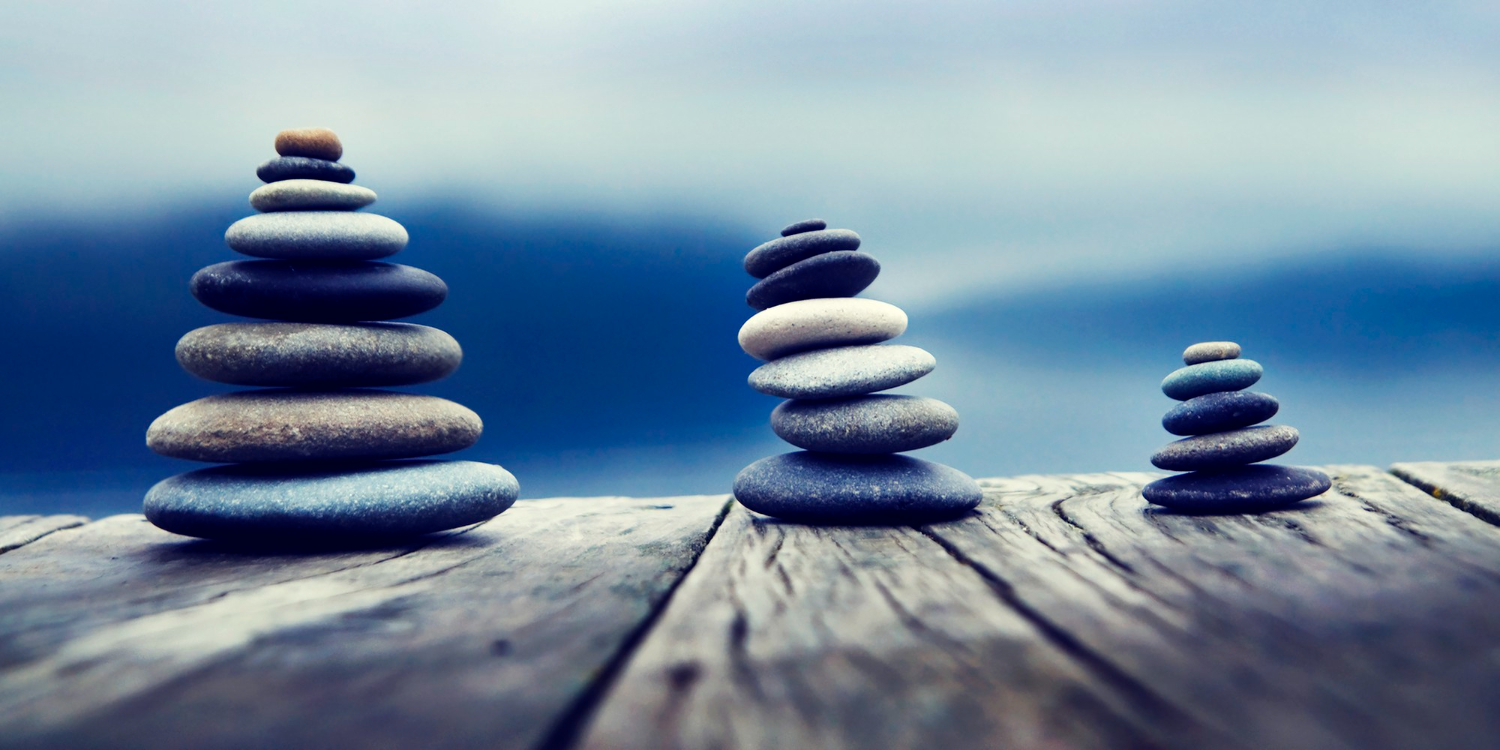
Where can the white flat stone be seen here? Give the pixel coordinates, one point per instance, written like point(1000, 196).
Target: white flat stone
point(818, 324)
point(310, 195)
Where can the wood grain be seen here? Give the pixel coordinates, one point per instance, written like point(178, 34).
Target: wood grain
point(19, 531)
point(1472, 486)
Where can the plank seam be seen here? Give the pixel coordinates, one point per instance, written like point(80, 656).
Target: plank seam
point(17, 545)
point(1455, 500)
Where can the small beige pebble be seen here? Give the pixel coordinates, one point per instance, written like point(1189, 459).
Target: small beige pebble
point(316, 143)
point(1210, 351)
point(820, 323)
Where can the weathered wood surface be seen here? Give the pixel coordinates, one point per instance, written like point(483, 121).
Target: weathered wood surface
point(19, 531)
point(1473, 486)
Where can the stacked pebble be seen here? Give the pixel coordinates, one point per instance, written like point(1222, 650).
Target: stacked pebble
point(1224, 449)
point(822, 350)
point(312, 453)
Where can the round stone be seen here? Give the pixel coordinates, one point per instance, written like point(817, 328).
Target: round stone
point(865, 424)
point(1211, 377)
point(310, 503)
point(1215, 412)
point(303, 168)
point(316, 235)
point(1224, 449)
point(844, 273)
point(818, 324)
point(843, 371)
point(318, 354)
point(806, 225)
point(1238, 490)
point(310, 195)
point(312, 425)
point(784, 251)
point(823, 488)
point(1210, 351)
point(317, 292)
point(315, 143)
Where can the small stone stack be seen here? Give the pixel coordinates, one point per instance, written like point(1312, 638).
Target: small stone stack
point(312, 453)
point(1224, 448)
point(823, 351)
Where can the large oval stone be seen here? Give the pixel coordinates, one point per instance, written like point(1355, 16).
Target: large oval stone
point(1211, 377)
point(317, 292)
point(319, 354)
point(823, 488)
point(1210, 351)
point(843, 371)
point(310, 195)
point(316, 235)
point(819, 324)
point(865, 424)
point(839, 274)
point(781, 252)
point(1239, 490)
point(316, 143)
point(311, 503)
point(1225, 449)
point(303, 168)
point(318, 425)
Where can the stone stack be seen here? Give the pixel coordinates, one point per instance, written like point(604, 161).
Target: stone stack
point(822, 350)
point(1224, 448)
point(313, 452)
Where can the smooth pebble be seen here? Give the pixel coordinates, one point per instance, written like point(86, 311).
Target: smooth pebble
point(819, 323)
point(1225, 449)
point(824, 488)
point(784, 251)
point(1211, 377)
point(319, 354)
point(865, 424)
point(1210, 351)
point(315, 143)
point(303, 168)
point(317, 235)
point(1214, 412)
point(310, 195)
point(1241, 489)
point(842, 371)
point(314, 292)
point(844, 273)
point(806, 225)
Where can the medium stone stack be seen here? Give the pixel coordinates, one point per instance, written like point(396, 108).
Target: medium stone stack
point(1224, 449)
point(823, 351)
point(313, 453)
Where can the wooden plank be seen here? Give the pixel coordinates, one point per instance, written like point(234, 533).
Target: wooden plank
point(1472, 486)
point(117, 634)
point(19, 531)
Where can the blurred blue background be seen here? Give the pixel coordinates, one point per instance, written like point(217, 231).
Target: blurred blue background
point(1063, 196)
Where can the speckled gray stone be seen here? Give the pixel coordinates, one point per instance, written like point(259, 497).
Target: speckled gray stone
point(865, 424)
point(1225, 449)
point(319, 355)
point(1241, 489)
point(309, 503)
point(838, 274)
point(784, 251)
point(303, 168)
point(1210, 351)
point(310, 195)
point(1211, 377)
point(819, 324)
point(824, 488)
point(1216, 412)
point(316, 235)
point(806, 225)
point(317, 291)
point(843, 371)
point(278, 425)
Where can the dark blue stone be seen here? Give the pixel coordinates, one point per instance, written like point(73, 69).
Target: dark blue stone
point(1238, 490)
point(825, 488)
point(1224, 449)
point(318, 292)
point(1211, 377)
point(806, 225)
point(844, 273)
point(303, 168)
point(784, 251)
point(1216, 412)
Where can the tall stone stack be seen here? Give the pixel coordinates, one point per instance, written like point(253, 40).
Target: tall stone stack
point(1224, 449)
point(314, 453)
point(823, 351)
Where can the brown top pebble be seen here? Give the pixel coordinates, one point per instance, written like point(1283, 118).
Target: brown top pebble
point(316, 143)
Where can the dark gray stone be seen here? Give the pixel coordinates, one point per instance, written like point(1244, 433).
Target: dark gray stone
point(1210, 351)
point(843, 273)
point(1215, 412)
point(318, 291)
point(303, 168)
point(1243, 489)
point(1225, 449)
point(806, 225)
point(319, 354)
point(278, 503)
point(316, 235)
point(1211, 377)
point(784, 251)
point(865, 424)
point(824, 488)
point(842, 371)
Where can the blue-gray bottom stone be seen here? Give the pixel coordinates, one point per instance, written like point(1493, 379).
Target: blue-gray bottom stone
point(1225, 449)
point(303, 168)
point(1238, 490)
point(781, 252)
point(330, 501)
point(839, 274)
point(317, 292)
point(865, 424)
point(1211, 377)
point(823, 488)
point(842, 371)
point(1216, 412)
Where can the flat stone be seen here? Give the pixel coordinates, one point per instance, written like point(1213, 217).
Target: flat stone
point(317, 292)
point(319, 354)
point(278, 503)
point(1225, 449)
point(1210, 351)
point(1216, 412)
point(303, 168)
point(806, 225)
point(280, 425)
point(1211, 377)
point(843, 371)
point(315, 143)
point(784, 251)
point(310, 195)
point(844, 273)
point(1244, 489)
point(865, 424)
point(316, 235)
point(819, 324)
point(823, 488)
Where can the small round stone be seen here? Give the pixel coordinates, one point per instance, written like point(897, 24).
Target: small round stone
point(1239, 490)
point(303, 168)
point(312, 425)
point(784, 251)
point(318, 354)
point(315, 143)
point(313, 503)
point(317, 292)
point(842, 371)
point(865, 424)
point(1210, 351)
point(316, 235)
point(1215, 412)
point(844, 273)
point(806, 225)
point(1225, 449)
point(1211, 377)
point(310, 195)
point(823, 488)
point(818, 324)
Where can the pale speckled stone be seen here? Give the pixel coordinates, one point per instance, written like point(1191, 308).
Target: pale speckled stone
point(1224, 449)
point(1210, 351)
point(1211, 377)
point(1243, 489)
point(317, 235)
point(865, 424)
point(824, 488)
point(819, 323)
point(842, 371)
point(315, 143)
point(319, 355)
point(781, 252)
point(310, 195)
